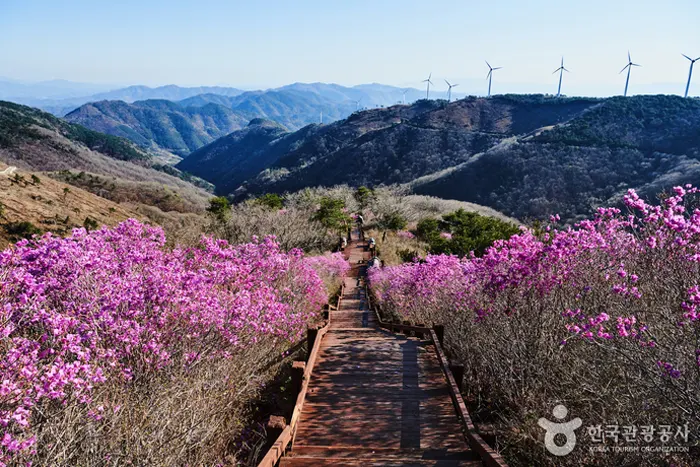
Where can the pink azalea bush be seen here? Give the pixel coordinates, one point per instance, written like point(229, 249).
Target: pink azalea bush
point(84, 317)
point(405, 234)
point(331, 267)
point(603, 316)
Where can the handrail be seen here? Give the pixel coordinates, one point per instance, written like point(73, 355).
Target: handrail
point(488, 455)
point(283, 441)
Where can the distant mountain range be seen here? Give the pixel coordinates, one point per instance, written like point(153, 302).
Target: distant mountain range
point(159, 125)
point(182, 126)
point(526, 156)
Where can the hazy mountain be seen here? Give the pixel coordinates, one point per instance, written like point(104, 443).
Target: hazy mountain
point(159, 124)
point(53, 89)
point(61, 103)
point(190, 123)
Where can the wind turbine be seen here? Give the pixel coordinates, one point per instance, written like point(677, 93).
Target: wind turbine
point(628, 67)
point(561, 71)
point(449, 90)
point(404, 96)
point(690, 74)
point(321, 121)
point(490, 75)
point(427, 91)
point(357, 104)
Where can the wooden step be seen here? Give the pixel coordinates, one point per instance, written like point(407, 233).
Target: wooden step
point(352, 452)
point(373, 462)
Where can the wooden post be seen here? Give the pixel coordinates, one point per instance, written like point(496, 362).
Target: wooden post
point(419, 334)
point(274, 427)
point(440, 331)
point(406, 331)
point(298, 368)
point(311, 334)
point(458, 373)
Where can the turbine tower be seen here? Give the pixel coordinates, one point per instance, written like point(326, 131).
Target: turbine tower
point(561, 71)
point(690, 74)
point(628, 67)
point(404, 96)
point(490, 75)
point(449, 90)
point(321, 119)
point(357, 104)
point(427, 91)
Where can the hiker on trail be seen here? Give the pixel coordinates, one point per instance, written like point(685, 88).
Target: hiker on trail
point(374, 262)
point(372, 245)
point(343, 243)
point(360, 222)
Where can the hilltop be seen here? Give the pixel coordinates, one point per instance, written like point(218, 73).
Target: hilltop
point(649, 143)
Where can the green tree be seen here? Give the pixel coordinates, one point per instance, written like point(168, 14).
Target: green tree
point(219, 207)
point(35, 180)
point(90, 224)
point(271, 200)
point(469, 231)
point(392, 221)
point(364, 196)
point(20, 230)
point(331, 214)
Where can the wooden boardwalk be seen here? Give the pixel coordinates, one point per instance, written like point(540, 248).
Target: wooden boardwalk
point(375, 398)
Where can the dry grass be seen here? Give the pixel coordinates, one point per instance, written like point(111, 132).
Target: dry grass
point(186, 416)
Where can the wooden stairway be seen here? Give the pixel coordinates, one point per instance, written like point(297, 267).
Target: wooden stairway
point(375, 398)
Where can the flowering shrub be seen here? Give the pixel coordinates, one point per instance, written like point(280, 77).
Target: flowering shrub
point(331, 267)
point(114, 308)
point(602, 317)
point(405, 234)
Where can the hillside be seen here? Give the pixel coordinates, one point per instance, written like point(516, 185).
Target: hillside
point(50, 206)
point(108, 166)
point(159, 124)
point(392, 145)
point(649, 143)
point(525, 156)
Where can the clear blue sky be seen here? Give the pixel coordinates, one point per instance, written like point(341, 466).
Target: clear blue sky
point(269, 43)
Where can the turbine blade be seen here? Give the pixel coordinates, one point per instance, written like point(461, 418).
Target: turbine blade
point(687, 57)
point(455, 85)
point(448, 83)
point(629, 58)
point(566, 70)
point(489, 73)
point(556, 70)
point(635, 64)
point(624, 68)
point(487, 64)
point(498, 68)
point(430, 75)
